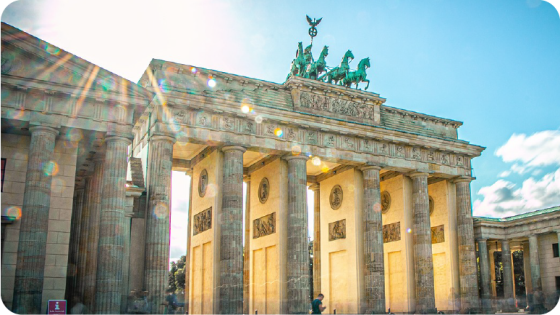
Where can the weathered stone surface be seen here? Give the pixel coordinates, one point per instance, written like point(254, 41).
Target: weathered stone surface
point(509, 303)
point(373, 243)
point(297, 260)
point(189, 236)
point(247, 249)
point(33, 226)
point(83, 240)
point(74, 242)
point(484, 275)
point(231, 233)
point(467, 257)
point(423, 261)
point(110, 247)
point(94, 209)
point(536, 282)
point(158, 220)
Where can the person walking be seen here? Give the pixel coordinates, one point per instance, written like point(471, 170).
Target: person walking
point(317, 304)
point(171, 301)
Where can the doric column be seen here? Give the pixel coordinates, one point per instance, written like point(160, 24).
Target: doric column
point(538, 298)
point(110, 247)
point(507, 276)
point(247, 250)
point(189, 236)
point(484, 275)
point(30, 265)
point(422, 236)
point(95, 192)
point(231, 233)
point(129, 213)
point(374, 271)
point(298, 257)
point(74, 243)
point(157, 220)
point(83, 239)
point(316, 239)
point(467, 256)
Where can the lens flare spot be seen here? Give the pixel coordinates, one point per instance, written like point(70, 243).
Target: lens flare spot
point(245, 108)
point(211, 190)
point(13, 213)
point(52, 50)
point(58, 185)
point(162, 85)
point(409, 230)
point(377, 207)
point(74, 135)
point(350, 188)
point(296, 150)
point(161, 210)
point(316, 161)
point(211, 83)
point(193, 70)
point(325, 169)
point(258, 119)
point(50, 168)
point(278, 132)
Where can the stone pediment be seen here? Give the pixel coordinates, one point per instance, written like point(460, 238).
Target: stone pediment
point(29, 62)
point(332, 101)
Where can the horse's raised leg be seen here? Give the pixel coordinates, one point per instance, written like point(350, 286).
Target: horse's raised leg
point(366, 85)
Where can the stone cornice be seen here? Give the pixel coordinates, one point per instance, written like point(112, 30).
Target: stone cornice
point(424, 117)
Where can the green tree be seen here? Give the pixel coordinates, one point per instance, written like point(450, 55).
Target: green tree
point(176, 277)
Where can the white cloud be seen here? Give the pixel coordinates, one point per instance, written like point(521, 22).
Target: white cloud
point(529, 155)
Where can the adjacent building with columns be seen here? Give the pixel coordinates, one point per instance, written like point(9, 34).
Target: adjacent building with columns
point(86, 193)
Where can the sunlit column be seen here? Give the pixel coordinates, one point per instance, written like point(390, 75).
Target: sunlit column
point(30, 265)
point(316, 239)
point(247, 250)
point(298, 260)
point(421, 231)
point(231, 233)
point(484, 274)
point(108, 286)
point(536, 282)
point(158, 219)
point(189, 236)
point(373, 242)
point(465, 237)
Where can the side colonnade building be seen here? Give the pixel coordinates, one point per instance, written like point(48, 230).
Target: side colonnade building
point(87, 191)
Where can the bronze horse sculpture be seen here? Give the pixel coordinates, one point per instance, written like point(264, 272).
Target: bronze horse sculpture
point(357, 76)
point(298, 64)
point(316, 68)
point(336, 74)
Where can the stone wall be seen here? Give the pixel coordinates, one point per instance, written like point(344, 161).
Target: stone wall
point(549, 267)
point(15, 149)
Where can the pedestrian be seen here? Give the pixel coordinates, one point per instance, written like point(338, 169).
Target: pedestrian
point(171, 301)
point(317, 304)
point(78, 307)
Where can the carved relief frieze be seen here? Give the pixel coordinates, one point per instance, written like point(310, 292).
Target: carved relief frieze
point(264, 190)
point(330, 105)
point(291, 134)
point(399, 151)
point(329, 140)
point(264, 225)
point(181, 116)
point(431, 157)
point(383, 148)
point(248, 127)
point(385, 201)
point(336, 197)
point(438, 235)
point(202, 221)
point(444, 158)
point(337, 230)
point(460, 161)
point(392, 232)
point(228, 123)
point(348, 143)
point(366, 145)
point(203, 120)
point(416, 153)
point(311, 137)
point(269, 129)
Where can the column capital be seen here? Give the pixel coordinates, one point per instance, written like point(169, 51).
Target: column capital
point(40, 128)
point(418, 174)
point(315, 187)
point(116, 137)
point(369, 167)
point(233, 148)
point(162, 137)
point(463, 179)
point(481, 239)
point(295, 157)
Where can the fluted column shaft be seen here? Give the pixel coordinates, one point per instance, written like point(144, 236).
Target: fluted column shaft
point(75, 243)
point(92, 236)
point(484, 274)
point(158, 219)
point(421, 231)
point(83, 239)
point(188, 258)
point(110, 249)
point(535, 266)
point(231, 233)
point(508, 277)
point(467, 256)
point(298, 257)
point(126, 262)
point(30, 264)
point(247, 249)
point(373, 242)
point(316, 188)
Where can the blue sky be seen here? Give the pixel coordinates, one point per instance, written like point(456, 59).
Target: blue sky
point(495, 65)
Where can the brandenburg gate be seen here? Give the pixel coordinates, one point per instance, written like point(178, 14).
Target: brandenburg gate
point(393, 226)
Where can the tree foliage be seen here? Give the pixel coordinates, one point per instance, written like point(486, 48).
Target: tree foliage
point(176, 277)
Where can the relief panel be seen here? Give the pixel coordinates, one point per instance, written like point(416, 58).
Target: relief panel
point(392, 232)
point(337, 230)
point(202, 221)
point(264, 226)
point(438, 235)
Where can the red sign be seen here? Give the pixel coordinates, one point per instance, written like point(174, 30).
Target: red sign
point(56, 307)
